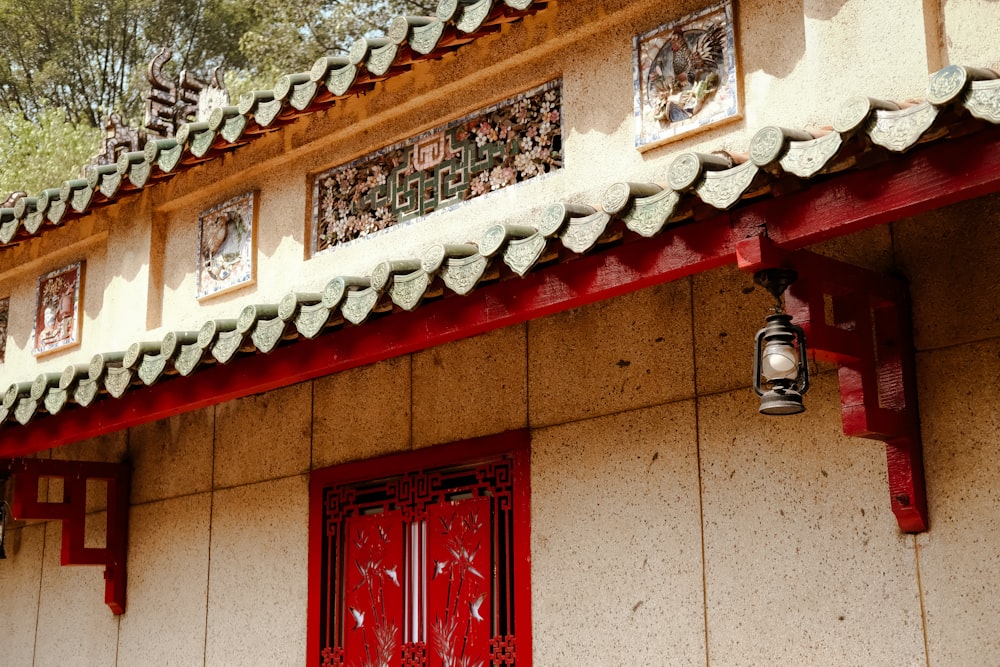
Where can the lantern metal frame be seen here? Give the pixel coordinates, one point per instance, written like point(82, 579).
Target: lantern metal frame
point(783, 395)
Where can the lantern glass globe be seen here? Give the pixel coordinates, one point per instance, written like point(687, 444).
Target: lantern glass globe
point(780, 362)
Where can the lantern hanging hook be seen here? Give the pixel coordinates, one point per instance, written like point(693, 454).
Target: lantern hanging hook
point(776, 281)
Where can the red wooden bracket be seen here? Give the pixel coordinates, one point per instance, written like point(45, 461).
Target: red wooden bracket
point(72, 511)
point(860, 320)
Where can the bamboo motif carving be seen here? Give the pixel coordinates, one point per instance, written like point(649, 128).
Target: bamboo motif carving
point(418, 569)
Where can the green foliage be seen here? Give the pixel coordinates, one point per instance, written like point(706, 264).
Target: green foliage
point(68, 65)
point(89, 56)
point(42, 153)
point(289, 35)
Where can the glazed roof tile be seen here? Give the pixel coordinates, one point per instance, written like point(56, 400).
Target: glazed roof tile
point(866, 131)
point(408, 40)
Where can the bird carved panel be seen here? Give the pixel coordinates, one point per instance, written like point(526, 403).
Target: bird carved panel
point(226, 246)
point(458, 582)
point(374, 579)
point(686, 76)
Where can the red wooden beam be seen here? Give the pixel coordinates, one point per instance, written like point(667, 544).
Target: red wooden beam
point(926, 179)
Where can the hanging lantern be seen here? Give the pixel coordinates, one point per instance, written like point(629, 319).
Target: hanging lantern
point(781, 364)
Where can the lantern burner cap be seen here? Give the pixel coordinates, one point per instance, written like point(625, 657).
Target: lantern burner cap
point(781, 401)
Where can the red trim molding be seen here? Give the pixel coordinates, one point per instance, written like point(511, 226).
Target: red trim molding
point(926, 179)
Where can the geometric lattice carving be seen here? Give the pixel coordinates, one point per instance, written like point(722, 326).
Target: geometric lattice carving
point(505, 144)
point(169, 105)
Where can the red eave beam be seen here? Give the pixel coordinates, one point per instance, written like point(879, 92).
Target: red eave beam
point(925, 179)
point(928, 178)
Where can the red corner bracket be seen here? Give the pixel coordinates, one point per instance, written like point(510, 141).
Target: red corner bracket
point(72, 511)
point(869, 336)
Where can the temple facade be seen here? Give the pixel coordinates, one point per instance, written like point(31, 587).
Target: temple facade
point(445, 352)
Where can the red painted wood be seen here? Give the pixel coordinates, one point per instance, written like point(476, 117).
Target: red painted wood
point(375, 576)
point(926, 179)
point(460, 599)
point(522, 562)
point(452, 532)
point(871, 338)
point(72, 511)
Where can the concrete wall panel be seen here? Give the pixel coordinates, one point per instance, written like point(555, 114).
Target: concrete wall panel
point(172, 457)
point(472, 387)
point(616, 541)
point(805, 564)
point(168, 583)
point(263, 437)
point(257, 575)
point(361, 413)
point(952, 258)
point(960, 556)
point(610, 356)
point(20, 576)
point(728, 311)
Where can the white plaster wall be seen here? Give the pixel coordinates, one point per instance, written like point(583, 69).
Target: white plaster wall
point(968, 30)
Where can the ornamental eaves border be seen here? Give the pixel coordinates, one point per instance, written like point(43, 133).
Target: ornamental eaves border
point(793, 179)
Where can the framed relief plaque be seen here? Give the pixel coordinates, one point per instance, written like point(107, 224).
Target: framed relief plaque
point(686, 76)
point(227, 235)
point(57, 310)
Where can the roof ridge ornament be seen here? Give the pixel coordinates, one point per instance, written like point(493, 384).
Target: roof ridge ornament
point(170, 104)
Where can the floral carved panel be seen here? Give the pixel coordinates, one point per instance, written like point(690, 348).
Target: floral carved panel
point(506, 144)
